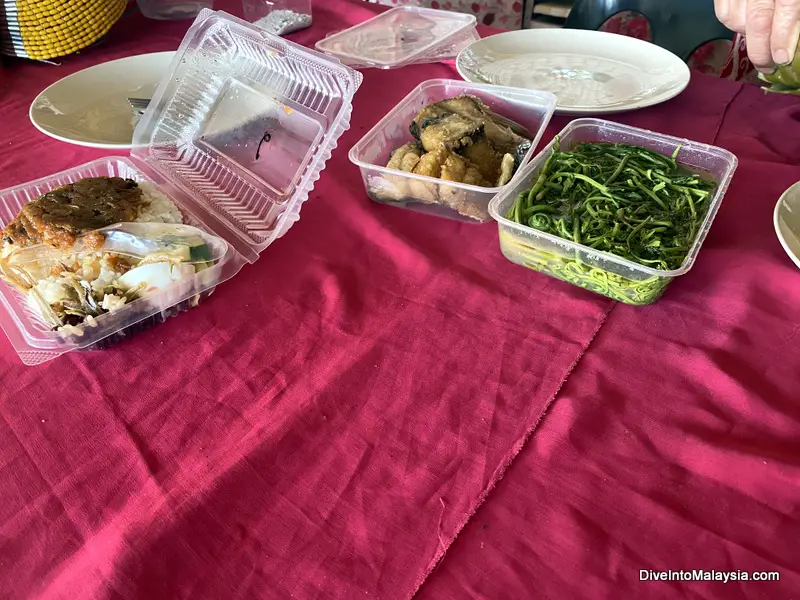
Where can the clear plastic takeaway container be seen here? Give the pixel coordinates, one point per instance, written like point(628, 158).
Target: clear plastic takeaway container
point(236, 135)
point(602, 272)
point(280, 17)
point(447, 51)
point(401, 36)
point(531, 109)
point(450, 49)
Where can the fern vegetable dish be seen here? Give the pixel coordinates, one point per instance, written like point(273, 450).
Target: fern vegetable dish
point(617, 198)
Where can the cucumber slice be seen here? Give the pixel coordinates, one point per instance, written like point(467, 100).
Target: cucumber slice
point(200, 253)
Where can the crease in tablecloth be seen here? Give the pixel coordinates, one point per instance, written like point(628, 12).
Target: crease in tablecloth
point(508, 459)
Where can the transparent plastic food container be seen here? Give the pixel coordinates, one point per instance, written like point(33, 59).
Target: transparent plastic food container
point(236, 135)
point(280, 17)
point(450, 49)
point(447, 51)
point(531, 109)
point(602, 272)
point(402, 36)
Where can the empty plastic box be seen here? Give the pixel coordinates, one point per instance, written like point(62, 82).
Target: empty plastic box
point(402, 36)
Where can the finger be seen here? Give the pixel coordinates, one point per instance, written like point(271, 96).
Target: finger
point(723, 9)
point(758, 31)
point(739, 18)
point(731, 13)
point(785, 31)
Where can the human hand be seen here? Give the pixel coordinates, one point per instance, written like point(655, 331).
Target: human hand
point(771, 27)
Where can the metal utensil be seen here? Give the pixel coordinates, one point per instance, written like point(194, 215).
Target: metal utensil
point(139, 105)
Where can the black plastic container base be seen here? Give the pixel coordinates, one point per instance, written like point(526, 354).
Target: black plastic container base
point(148, 323)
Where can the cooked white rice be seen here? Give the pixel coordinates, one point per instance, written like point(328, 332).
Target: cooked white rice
point(159, 209)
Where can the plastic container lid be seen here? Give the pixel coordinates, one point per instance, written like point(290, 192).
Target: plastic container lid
point(448, 50)
point(242, 124)
point(399, 37)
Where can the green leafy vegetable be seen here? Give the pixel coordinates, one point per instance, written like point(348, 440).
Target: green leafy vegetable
point(577, 272)
point(616, 198)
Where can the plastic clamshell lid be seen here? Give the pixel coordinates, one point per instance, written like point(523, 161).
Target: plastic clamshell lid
point(448, 50)
point(242, 125)
point(397, 37)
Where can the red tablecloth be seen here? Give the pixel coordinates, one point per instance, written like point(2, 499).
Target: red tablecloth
point(328, 422)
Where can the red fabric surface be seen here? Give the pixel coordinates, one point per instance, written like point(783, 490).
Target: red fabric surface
point(326, 423)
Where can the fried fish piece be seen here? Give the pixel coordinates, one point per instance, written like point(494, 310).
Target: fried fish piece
point(484, 158)
point(454, 168)
point(498, 130)
point(451, 131)
point(458, 169)
point(503, 134)
point(430, 113)
point(430, 165)
point(405, 155)
point(395, 187)
point(410, 160)
point(507, 167)
point(473, 177)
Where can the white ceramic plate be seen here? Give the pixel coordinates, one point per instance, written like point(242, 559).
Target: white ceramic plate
point(787, 222)
point(90, 107)
point(591, 72)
